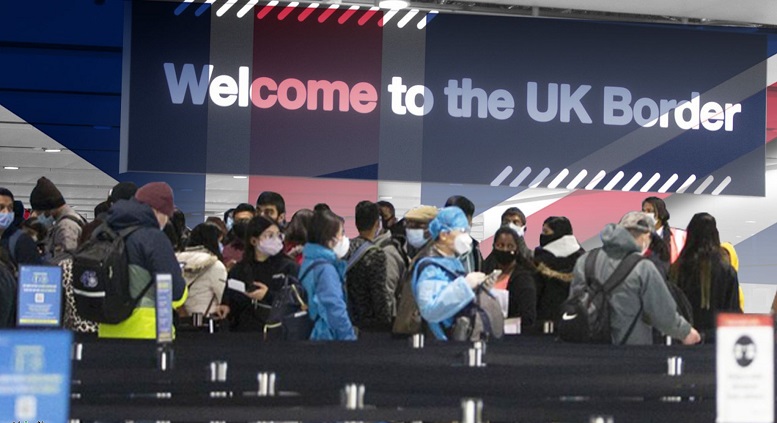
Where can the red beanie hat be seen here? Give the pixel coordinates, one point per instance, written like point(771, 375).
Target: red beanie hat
point(158, 195)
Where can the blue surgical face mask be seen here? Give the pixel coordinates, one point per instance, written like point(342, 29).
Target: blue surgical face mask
point(46, 221)
point(416, 237)
point(6, 219)
point(229, 223)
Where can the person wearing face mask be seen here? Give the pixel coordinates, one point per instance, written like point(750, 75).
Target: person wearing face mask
point(20, 247)
point(205, 275)
point(323, 274)
point(642, 301)
point(555, 259)
point(417, 229)
point(517, 277)
point(673, 237)
point(234, 242)
point(441, 286)
point(263, 269)
point(65, 225)
point(516, 220)
point(149, 253)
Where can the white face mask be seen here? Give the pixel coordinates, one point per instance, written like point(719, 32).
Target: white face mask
point(462, 244)
point(520, 230)
point(341, 249)
point(416, 237)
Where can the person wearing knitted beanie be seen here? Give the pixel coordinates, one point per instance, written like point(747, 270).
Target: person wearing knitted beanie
point(53, 212)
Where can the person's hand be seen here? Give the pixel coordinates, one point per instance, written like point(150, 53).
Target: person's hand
point(221, 311)
point(692, 338)
point(474, 279)
point(230, 264)
point(259, 291)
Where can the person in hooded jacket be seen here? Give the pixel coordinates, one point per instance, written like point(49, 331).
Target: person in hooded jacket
point(673, 237)
point(149, 253)
point(264, 269)
point(205, 274)
point(234, 244)
point(323, 274)
point(642, 301)
point(555, 259)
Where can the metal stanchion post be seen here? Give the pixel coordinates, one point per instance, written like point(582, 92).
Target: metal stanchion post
point(266, 382)
point(674, 366)
point(353, 396)
point(165, 357)
point(78, 351)
point(471, 410)
point(417, 341)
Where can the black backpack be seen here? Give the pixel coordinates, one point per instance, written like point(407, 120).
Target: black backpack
point(101, 277)
point(288, 317)
point(586, 316)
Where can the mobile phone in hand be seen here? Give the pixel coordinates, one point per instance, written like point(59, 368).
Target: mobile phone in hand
point(491, 279)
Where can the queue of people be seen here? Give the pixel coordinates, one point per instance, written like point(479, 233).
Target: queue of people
point(421, 273)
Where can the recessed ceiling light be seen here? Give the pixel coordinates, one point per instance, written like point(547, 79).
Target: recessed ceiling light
point(749, 221)
point(393, 4)
point(52, 150)
point(383, 197)
point(10, 168)
point(240, 177)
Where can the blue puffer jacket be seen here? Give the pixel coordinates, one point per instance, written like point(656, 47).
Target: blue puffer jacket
point(326, 298)
point(148, 252)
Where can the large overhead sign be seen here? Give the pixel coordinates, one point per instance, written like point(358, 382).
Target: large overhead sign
point(316, 91)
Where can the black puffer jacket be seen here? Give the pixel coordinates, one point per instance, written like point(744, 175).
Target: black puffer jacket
point(555, 263)
point(369, 299)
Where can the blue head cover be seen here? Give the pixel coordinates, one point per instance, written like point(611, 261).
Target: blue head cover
point(448, 219)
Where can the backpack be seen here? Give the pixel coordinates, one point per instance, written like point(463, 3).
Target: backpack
point(101, 281)
point(586, 315)
point(288, 318)
point(480, 319)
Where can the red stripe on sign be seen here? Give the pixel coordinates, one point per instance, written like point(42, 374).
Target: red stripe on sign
point(327, 13)
point(347, 15)
point(265, 10)
point(738, 320)
point(305, 13)
point(366, 17)
point(285, 12)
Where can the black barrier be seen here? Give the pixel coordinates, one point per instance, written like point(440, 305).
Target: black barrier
point(524, 379)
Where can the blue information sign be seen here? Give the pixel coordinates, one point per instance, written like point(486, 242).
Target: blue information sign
point(40, 295)
point(164, 308)
point(35, 376)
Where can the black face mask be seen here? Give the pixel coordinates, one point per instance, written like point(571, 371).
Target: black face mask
point(239, 229)
point(504, 257)
point(547, 239)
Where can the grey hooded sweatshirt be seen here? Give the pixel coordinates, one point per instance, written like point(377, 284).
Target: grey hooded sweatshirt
point(644, 284)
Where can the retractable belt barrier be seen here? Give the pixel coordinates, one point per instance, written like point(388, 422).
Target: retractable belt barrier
point(240, 378)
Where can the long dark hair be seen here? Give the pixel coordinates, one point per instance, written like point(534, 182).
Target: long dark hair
point(254, 229)
point(700, 254)
point(520, 260)
point(206, 235)
point(324, 227)
point(297, 230)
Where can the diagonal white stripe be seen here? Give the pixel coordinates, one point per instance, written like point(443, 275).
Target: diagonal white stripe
point(669, 183)
point(250, 5)
point(502, 176)
point(521, 176)
point(614, 181)
point(541, 177)
point(633, 181)
point(409, 16)
point(225, 8)
point(649, 184)
point(204, 7)
point(704, 185)
point(558, 179)
point(181, 7)
point(722, 186)
point(691, 179)
point(422, 22)
point(579, 178)
point(595, 181)
point(387, 16)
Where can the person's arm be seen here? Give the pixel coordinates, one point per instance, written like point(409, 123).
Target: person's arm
point(440, 298)
point(162, 259)
point(523, 298)
point(66, 235)
point(329, 291)
point(658, 304)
